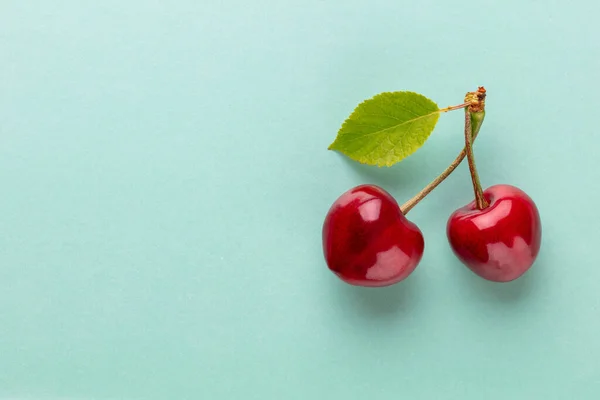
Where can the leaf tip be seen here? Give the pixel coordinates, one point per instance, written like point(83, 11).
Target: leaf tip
point(333, 145)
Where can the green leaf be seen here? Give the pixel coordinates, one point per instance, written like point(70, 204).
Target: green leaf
point(387, 128)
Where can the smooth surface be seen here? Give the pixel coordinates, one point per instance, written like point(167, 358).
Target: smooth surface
point(165, 177)
point(367, 241)
point(501, 241)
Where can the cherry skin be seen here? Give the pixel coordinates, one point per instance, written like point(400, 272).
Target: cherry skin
point(500, 242)
point(367, 241)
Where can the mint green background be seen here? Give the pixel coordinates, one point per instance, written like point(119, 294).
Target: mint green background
point(164, 178)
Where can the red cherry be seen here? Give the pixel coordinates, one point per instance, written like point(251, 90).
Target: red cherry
point(500, 242)
point(367, 241)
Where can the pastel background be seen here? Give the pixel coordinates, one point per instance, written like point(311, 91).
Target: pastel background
point(164, 177)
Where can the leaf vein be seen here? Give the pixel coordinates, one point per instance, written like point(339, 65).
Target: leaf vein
point(410, 121)
point(389, 115)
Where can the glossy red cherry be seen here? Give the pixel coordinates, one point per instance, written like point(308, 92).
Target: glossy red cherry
point(367, 241)
point(500, 242)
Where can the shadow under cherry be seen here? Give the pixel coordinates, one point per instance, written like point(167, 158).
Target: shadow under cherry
point(381, 302)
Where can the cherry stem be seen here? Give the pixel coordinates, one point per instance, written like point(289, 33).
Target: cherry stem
point(480, 199)
point(406, 207)
point(474, 115)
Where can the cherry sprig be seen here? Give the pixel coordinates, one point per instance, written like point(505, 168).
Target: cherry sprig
point(367, 239)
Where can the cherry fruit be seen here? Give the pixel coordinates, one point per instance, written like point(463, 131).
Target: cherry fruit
point(367, 240)
point(501, 241)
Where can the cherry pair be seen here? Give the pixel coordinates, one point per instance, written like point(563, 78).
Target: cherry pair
point(368, 241)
